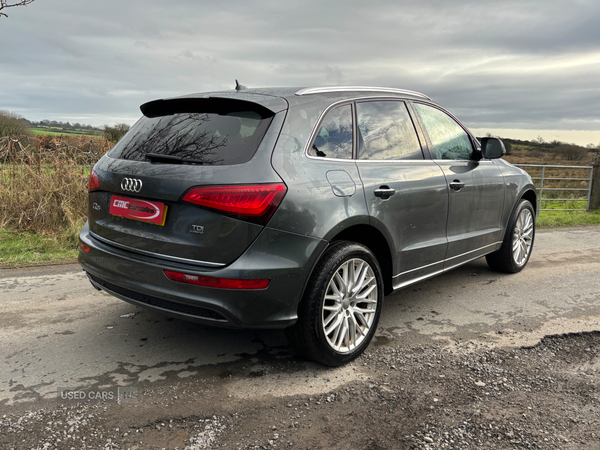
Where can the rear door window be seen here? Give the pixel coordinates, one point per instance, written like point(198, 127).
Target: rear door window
point(386, 131)
point(206, 138)
point(334, 137)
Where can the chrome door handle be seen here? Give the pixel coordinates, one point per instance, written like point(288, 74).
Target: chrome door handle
point(384, 192)
point(457, 185)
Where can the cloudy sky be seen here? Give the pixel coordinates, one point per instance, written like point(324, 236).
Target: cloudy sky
point(518, 68)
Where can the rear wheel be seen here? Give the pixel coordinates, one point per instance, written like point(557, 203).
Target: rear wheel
point(518, 241)
point(340, 310)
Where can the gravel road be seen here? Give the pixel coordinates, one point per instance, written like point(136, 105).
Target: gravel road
point(470, 359)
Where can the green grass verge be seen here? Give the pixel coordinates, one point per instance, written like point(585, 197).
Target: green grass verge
point(555, 219)
point(25, 249)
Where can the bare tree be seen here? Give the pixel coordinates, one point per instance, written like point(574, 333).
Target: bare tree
point(8, 4)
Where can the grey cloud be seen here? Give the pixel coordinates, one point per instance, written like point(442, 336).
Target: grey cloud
point(100, 60)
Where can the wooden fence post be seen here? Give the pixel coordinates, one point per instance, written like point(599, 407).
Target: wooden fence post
point(595, 194)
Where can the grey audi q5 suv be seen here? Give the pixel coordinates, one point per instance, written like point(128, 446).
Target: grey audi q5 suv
point(298, 209)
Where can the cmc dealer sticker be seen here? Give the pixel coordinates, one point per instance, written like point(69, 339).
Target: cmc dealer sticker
point(143, 210)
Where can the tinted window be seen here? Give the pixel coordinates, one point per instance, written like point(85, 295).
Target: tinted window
point(334, 138)
point(448, 138)
point(386, 131)
point(196, 138)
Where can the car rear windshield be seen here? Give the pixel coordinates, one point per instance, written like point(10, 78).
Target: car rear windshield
point(201, 134)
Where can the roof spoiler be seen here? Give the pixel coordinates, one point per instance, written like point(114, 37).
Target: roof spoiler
point(213, 105)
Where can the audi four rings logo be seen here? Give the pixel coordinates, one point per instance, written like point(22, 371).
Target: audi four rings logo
point(131, 184)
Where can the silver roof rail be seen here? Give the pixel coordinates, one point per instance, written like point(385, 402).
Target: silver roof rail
point(324, 90)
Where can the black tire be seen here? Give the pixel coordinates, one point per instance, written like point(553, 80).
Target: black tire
point(507, 259)
point(316, 312)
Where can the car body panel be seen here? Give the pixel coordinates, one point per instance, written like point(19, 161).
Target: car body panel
point(475, 211)
point(414, 217)
point(517, 183)
point(312, 206)
point(284, 258)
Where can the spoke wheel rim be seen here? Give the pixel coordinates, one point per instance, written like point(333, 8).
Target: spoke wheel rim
point(522, 237)
point(350, 305)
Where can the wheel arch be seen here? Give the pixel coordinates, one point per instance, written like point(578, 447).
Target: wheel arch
point(375, 241)
point(530, 195)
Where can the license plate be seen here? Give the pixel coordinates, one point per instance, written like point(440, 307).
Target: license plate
point(142, 210)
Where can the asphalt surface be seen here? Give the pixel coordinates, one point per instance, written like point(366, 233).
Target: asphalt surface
point(56, 331)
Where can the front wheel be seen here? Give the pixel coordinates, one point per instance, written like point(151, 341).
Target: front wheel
point(340, 310)
point(518, 241)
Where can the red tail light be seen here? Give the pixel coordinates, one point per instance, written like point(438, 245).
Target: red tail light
point(84, 248)
point(222, 283)
point(255, 203)
point(94, 183)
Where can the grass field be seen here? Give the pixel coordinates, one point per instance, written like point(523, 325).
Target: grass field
point(555, 219)
point(56, 131)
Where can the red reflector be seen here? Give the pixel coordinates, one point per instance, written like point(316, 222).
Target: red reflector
point(84, 248)
point(94, 182)
point(256, 203)
point(222, 283)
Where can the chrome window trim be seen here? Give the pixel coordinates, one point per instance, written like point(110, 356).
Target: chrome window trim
point(353, 102)
point(474, 141)
point(153, 254)
point(333, 89)
point(318, 123)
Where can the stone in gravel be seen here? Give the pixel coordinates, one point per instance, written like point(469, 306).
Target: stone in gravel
point(479, 383)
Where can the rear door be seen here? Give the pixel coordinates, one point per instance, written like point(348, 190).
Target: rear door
point(406, 194)
point(475, 187)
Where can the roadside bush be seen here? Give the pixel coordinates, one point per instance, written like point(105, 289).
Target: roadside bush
point(114, 134)
point(44, 189)
point(571, 152)
point(12, 124)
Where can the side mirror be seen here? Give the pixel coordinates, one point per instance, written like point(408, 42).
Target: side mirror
point(492, 148)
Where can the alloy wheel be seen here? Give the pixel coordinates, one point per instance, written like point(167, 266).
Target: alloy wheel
point(350, 305)
point(522, 237)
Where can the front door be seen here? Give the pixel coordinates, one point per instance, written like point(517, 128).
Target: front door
point(475, 188)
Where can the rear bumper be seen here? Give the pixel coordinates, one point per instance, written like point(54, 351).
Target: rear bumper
point(285, 259)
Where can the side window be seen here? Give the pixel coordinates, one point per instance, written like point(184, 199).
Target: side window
point(448, 138)
point(334, 138)
point(386, 131)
